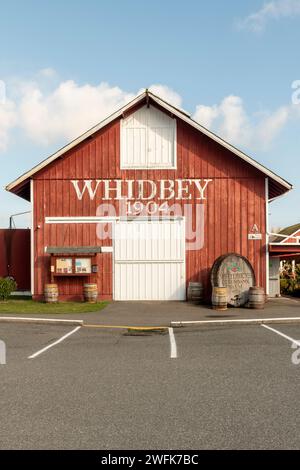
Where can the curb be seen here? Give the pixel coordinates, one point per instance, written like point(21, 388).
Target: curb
point(49, 321)
point(242, 321)
point(126, 327)
point(175, 324)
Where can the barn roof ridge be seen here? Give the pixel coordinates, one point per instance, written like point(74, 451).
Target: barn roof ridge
point(181, 114)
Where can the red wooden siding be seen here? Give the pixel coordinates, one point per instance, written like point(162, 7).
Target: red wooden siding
point(235, 202)
point(15, 256)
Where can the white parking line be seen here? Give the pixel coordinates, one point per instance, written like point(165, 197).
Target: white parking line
point(55, 343)
point(173, 354)
point(283, 335)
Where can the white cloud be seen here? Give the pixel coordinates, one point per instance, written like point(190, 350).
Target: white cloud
point(47, 72)
point(49, 113)
point(71, 109)
point(206, 115)
point(57, 113)
point(230, 120)
point(68, 111)
point(275, 10)
point(235, 125)
point(271, 126)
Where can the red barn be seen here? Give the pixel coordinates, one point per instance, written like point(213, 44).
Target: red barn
point(143, 204)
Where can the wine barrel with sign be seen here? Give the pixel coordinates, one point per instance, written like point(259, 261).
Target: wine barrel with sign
point(236, 273)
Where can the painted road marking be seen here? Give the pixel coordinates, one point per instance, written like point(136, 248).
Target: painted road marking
point(283, 335)
point(173, 354)
point(54, 321)
point(55, 343)
point(127, 327)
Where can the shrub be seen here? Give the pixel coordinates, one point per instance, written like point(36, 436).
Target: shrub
point(287, 286)
point(283, 285)
point(7, 286)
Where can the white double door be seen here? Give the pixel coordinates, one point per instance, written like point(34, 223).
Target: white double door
point(149, 260)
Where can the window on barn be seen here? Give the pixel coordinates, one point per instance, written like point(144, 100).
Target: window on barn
point(148, 139)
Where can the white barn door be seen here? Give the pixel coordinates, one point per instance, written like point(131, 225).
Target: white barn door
point(274, 276)
point(149, 260)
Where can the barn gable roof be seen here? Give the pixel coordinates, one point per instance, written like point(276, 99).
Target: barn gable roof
point(277, 185)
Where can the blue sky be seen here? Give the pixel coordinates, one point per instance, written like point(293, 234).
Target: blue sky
point(231, 64)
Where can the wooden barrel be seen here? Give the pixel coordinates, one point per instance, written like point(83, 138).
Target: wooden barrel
point(236, 273)
point(51, 293)
point(219, 298)
point(195, 292)
point(90, 293)
point(256, 297)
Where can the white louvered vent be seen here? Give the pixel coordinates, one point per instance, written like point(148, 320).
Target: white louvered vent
point(148, 140)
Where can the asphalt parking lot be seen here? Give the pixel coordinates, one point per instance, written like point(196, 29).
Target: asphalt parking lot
point(207, 388)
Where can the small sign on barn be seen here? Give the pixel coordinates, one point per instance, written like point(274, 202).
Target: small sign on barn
point(254, 236)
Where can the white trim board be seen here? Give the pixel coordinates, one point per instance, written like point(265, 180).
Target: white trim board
point(80, 220)
point(285, 244)
point(106, 249)
point(267, 236)
point(32, 239)
point(105, 220)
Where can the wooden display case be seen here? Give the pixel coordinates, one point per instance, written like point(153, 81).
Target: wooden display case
point(73, 265)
